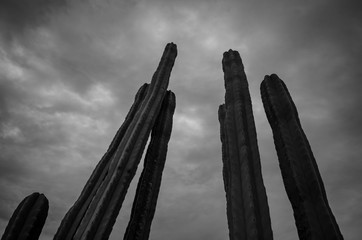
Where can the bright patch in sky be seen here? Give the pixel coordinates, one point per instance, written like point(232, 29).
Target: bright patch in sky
point(9, 68)
point(11, 132)
point(99, 95)
point(211, 42)
point(155, 25)
point(188, 124)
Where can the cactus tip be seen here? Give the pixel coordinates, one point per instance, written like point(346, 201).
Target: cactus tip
point(274, 76)
point(230, 56)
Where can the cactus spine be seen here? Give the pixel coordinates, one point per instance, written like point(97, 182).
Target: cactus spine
point(247, 207)
point(302, 180)
point(144, 204)
point(28, 218)
point(94, 213)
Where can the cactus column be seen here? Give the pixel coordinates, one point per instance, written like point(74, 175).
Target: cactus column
point(144, 205)
point(28, 218)
point(302, 180)
point(94, 213)
point(247, 206)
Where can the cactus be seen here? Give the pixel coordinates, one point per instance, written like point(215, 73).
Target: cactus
point(144, 204)
point(247, 206)
point(28, 218)
point(303, 183)
point(94, 213)
point(76, 213)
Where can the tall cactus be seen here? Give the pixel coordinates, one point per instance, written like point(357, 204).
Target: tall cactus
point(302, 180)
point(73, 217)
point(247, 206)
point(94, 213)
point(144, 205)
point(28, 218)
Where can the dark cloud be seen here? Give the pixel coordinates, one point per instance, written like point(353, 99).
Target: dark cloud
point(17, 16)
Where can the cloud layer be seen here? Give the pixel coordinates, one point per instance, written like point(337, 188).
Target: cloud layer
point(69, 71)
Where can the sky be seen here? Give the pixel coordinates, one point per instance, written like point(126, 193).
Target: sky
point(69, 71)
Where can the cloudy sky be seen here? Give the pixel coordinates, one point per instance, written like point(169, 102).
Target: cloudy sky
point(69, 71)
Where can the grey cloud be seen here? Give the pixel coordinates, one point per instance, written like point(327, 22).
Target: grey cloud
point(19, 15)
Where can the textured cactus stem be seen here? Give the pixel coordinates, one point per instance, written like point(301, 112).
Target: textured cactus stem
point(28, 218)
point(302, 180)
point(247, 206)
point(148, 187)
point(226, 168)
point(107, 196)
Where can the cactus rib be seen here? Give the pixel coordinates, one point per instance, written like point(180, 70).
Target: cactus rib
point(302, 180)
point(28, 219)
point(249, 212)
point(144, 205)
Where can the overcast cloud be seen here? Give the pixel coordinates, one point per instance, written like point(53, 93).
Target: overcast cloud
point(69, 71)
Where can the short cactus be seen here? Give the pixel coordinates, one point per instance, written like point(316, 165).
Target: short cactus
point(28, 218)
point(302, 180)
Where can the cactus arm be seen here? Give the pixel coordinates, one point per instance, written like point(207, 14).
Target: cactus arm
point(226, 169)
point(104, 207)
point(301, 177)
point(249, 207)
point(144, 205)
point(223, 138)
point(28, 219)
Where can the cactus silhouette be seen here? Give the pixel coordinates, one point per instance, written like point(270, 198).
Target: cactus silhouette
point(75, 214)
point(144, 204)
point(94, 213)
point(28, 218)
point(247, 206)
point(303, 183)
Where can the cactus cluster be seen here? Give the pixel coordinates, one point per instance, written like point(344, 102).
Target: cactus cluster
point(94, 213)
point(247, 207)
point(302, 180)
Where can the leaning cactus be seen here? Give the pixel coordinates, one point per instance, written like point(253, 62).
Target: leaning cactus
point(247, 206)
point(144, 204)
point(302, 180)
point(75, 214)
point(94, 213)
point(28, 218)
